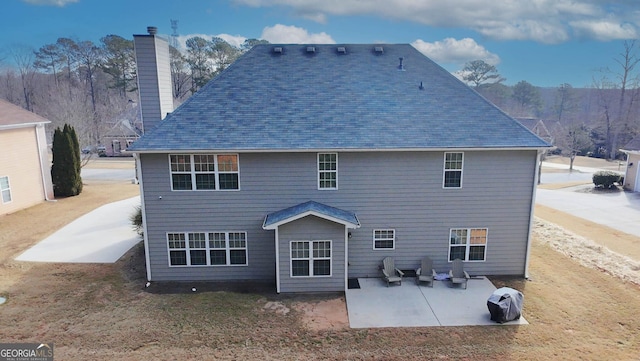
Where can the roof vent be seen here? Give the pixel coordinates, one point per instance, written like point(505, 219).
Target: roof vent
point(401, 66)
point(311, 49)
point(152, 30)
point(378, 49)
point(277, 50)
point(421, 87)
point(342, 50)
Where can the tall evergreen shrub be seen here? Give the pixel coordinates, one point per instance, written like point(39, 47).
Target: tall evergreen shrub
point(65, 170)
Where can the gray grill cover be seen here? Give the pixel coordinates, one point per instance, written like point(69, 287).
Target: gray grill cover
point(505, 304)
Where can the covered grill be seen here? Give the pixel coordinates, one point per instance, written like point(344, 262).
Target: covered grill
point(505, 304)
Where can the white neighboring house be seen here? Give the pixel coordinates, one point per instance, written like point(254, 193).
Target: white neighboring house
point(25, 176)
point(632, 173)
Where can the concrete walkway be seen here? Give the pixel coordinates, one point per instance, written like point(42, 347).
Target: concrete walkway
point(409, 305)
point(100, 236)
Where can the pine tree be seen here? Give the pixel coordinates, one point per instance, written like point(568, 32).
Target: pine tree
point(65, 170)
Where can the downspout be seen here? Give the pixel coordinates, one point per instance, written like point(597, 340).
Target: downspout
point(277, 237)
point(346, 258)
point(42, 165)
point(145, 235)
point(531, 217)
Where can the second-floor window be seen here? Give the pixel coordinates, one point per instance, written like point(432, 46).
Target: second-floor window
point(204, 171)
point(453, 163)
point(327, 171)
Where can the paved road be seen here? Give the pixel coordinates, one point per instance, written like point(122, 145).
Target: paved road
point(107, 174)
point(619, 210)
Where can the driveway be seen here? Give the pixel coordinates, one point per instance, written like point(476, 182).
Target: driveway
point(100, 236)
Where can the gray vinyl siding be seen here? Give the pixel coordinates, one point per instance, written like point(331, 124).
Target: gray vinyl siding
point(154, 79)
point(398, 190)
point(311, 228)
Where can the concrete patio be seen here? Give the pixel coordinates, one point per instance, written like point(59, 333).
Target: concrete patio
point(409, 305)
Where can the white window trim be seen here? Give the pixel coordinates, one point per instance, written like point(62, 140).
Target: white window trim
point(444, 170)
point(311, 259)
point(193, 173)
point(325, 171)
point(468, 244)
point(393, 239)
point(207, 249)
point(6, 189)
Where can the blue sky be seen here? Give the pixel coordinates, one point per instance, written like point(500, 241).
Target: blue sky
point(545, 42)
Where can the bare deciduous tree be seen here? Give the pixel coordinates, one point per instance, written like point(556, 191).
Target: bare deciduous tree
point(618, 96)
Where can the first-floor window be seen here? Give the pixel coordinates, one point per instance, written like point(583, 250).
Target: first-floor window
point(207, 248)
point(5, 190)
point(384, 238)
point(468, 244)
point(310, 258)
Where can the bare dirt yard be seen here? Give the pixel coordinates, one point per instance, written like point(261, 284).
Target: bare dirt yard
point(578, 309)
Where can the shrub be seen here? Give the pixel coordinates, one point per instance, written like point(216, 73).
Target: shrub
point(136, 220)
point(65, 168)
point(605, 178)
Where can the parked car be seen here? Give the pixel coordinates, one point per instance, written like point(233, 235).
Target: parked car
point(100, 150)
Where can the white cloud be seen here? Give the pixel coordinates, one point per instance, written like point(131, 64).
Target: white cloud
point(458, 52)
point(283, 34)
point(604, 30)
point(545, 21)
point(60, 3)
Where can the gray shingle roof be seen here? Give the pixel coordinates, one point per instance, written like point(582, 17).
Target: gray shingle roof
point(300, 100)
point(13, 115)
point(275, 219)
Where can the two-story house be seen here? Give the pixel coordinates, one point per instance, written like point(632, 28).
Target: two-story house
point(25, 176)
point(308, 164)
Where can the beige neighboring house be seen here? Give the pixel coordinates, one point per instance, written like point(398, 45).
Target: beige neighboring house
point(632, 174)
point(25, 175)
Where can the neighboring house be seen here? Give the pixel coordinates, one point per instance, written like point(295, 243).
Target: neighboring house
point(537, 127)
point(25, 177)
point(308, 164)
point(632, 174)
point(125, 130)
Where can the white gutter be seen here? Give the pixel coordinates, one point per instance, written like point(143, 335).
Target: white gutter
point(531, 215)
point(42, 164)
point(145, 236)
point(23, 125)
point(334, 150)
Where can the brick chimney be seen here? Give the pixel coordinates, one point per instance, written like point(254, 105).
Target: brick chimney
point(154, 77)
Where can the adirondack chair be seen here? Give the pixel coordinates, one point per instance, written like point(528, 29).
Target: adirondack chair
point(457, 274)
point(425, 273)
point(390, 272)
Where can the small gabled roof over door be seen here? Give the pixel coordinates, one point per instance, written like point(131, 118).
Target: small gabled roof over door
point(276, 219)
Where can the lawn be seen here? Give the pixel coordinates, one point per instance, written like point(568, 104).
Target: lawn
point(104, 312)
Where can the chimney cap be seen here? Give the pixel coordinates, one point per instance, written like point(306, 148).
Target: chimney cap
point(152, 30)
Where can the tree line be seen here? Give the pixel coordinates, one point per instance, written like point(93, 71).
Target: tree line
point(93, 86)
point(595, 121)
